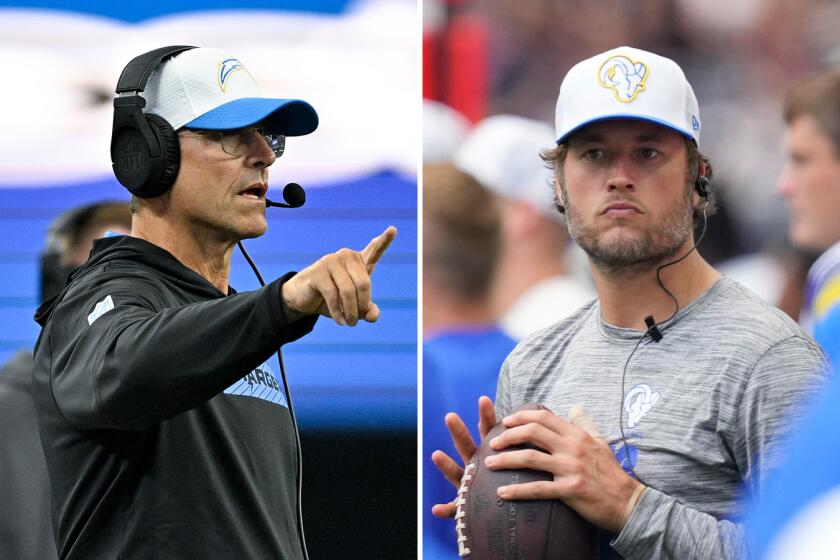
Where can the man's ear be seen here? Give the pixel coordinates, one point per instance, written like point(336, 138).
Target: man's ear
point(559, 199)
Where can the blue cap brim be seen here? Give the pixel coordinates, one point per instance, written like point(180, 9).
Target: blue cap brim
point(291, 117)
point(625, 116)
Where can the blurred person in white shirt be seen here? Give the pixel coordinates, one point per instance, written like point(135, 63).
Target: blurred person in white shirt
point(538, 281)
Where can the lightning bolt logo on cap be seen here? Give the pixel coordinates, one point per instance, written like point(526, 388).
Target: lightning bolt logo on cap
point(226, 68)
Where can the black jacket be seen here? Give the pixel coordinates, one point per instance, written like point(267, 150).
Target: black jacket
point(165, 431)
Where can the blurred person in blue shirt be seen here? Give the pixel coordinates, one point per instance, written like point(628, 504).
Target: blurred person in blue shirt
point(801, 510)
point(799, 514)
point(810, 183)
point(463, 347)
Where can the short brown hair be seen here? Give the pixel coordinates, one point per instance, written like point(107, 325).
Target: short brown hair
point(71, 233)
point(554, 158)
point(461, 231)
point(74, 226)
point(817, 97)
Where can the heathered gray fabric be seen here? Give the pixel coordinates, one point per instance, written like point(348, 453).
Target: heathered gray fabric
point(726, 373)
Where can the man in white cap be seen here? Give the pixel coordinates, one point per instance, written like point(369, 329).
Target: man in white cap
point(166, 433)
point(534, 285)
point(686, 376)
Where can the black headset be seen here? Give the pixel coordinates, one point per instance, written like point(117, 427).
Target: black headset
point(703, 186)
point(145, 152)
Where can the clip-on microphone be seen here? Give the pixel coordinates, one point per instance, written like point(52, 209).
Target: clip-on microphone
point(653, 330)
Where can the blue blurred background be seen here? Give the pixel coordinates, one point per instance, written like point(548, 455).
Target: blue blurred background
point(354, 389)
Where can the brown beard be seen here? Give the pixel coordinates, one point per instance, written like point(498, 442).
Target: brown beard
point(632, 255)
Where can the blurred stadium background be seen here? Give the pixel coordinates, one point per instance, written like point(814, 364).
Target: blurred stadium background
point(357, 63)
point(486, 57)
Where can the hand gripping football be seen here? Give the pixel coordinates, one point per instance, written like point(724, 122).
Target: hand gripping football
point(490, 528)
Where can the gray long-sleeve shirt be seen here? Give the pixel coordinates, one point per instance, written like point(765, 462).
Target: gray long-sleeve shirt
point(702, 410)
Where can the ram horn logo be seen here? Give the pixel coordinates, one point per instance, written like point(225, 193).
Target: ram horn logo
point(625, 77)
point(226, 68)
point(638, 402)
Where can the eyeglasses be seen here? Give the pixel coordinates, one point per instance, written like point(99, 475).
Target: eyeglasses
point(239, 142)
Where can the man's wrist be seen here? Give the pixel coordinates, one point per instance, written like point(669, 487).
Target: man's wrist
point(631, 504)
point(290, 313)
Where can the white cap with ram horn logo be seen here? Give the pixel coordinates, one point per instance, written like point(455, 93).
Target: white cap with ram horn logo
point(627, 83)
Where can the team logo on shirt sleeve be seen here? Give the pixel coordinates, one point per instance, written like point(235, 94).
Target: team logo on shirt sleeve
point(261, 384)
point(101, 308)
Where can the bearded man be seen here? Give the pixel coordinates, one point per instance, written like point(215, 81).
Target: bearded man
point(687, 374)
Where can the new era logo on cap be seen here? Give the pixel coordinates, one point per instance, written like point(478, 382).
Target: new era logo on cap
point(627, 83)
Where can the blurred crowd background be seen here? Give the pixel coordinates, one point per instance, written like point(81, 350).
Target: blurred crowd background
point(489, 57)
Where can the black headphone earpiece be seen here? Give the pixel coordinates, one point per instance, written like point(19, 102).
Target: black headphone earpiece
point(559, 203)
point(145, 153)
point(703, 186)
point(170, 158)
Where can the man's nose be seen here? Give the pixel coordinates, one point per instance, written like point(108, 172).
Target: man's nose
point(620, 175)
point(261, 154)
point(784, 183)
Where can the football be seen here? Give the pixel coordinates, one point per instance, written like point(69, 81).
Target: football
point(490, 528)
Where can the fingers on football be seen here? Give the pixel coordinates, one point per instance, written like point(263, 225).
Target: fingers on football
point(486, 415)
point(539, 490)
point(375, 249)
point(544, 418)
point(451, 470)
point(444, 511)
point(527, 459)
point(533, 434)
point(461, 437)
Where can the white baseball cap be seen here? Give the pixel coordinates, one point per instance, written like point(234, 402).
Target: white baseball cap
point(503, 153)
point(444, 129)
point(207, 88)
point(627, 83)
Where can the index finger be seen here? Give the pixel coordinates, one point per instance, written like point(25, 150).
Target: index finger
point(374, 250)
